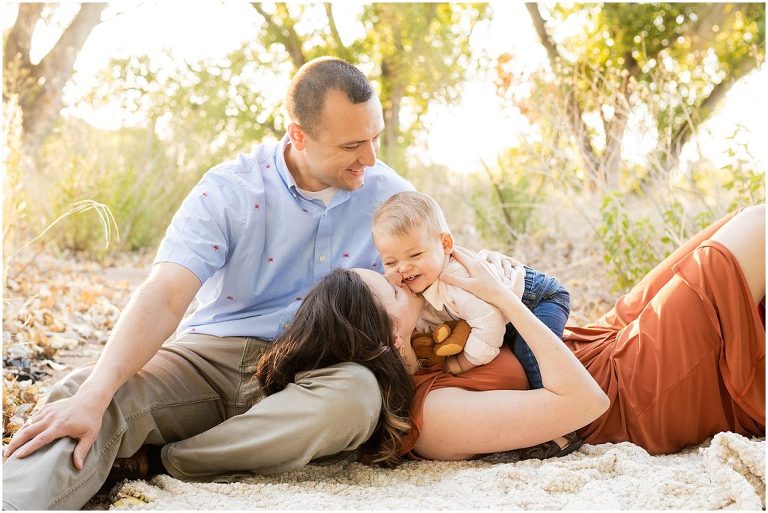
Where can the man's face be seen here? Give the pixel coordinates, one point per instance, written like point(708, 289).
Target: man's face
point(345, 144)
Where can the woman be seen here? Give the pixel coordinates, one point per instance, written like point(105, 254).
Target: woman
point(342, 309)
point(678, 359)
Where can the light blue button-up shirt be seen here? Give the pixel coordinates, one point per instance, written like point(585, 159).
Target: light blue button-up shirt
point(257, 245)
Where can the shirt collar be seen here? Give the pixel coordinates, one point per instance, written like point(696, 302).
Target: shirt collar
point(282, 168)
point(432, 296)
point(433, 293)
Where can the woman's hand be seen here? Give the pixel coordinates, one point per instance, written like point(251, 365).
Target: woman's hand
point(482, 282)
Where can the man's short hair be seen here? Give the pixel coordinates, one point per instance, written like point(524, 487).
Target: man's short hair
point(309, 87)
point(405, 211)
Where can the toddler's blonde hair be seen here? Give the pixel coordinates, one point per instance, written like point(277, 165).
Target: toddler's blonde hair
point(406, 211)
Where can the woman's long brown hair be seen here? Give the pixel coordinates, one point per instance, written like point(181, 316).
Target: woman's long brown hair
point(341, 320)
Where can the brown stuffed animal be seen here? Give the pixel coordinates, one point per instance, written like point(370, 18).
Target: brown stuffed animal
point(445, 340)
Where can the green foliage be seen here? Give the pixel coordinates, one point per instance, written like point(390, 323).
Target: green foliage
point(653, 72)
point(180, 117)
point(631, 245)
point(214, 108)
point(673, 61)
point(422, 54)
point(505, 199)
point(746, 183)
point(418, 53)
point(130, 171)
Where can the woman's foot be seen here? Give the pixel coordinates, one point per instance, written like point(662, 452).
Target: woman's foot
point(560, 446)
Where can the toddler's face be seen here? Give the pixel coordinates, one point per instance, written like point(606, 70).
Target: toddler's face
point(415, 259)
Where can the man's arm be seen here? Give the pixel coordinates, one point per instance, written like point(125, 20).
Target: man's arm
point(151, 316)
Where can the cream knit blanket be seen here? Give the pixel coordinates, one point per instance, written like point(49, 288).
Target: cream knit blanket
point(727, 472)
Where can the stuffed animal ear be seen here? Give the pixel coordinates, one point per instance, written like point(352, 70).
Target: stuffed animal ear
point(441, 332)
point(455, 342)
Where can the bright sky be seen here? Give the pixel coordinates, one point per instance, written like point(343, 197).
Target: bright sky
point(457, 136)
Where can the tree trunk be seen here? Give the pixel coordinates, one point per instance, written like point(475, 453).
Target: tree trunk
point(41, 85)
point(610, 163)
point(576, 123)
point(391, 103)
point(20, 38)
point(283, 31)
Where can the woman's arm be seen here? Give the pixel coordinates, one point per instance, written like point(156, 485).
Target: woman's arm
point(562, 373)
point(459, 424)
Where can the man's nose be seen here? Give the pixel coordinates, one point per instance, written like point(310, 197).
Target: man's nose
point(367, 156)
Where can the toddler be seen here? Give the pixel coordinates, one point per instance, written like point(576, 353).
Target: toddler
point(414, 241)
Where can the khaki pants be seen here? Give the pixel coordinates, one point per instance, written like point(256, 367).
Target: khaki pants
point(198, 399)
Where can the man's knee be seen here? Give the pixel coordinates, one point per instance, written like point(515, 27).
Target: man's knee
point(353, 397)
point(360, 396)
point(70, 383)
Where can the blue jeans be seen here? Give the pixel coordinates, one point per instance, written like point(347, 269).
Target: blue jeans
point(550, 302)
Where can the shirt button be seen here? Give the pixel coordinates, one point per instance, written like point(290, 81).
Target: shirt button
point(322, 258)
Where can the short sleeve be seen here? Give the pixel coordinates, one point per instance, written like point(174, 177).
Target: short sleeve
point(201, 234)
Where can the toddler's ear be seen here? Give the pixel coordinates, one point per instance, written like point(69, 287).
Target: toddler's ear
point(447, 240)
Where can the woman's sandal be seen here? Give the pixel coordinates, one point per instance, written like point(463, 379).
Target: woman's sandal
point(551, 449)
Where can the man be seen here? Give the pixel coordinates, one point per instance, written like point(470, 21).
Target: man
point(249, 240)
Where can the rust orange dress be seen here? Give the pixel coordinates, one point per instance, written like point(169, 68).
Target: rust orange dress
point(681, 356)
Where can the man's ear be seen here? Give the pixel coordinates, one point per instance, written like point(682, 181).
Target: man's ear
point(447, 240)
point(296, 135)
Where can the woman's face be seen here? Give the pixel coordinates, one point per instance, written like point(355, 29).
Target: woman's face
point(402, 305)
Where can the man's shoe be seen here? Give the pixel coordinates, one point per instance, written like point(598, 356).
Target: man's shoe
point(133, 467)
point(551, 449)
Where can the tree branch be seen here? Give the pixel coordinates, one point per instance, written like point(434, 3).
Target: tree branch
point(684, 132)
point(541, 31)
point(62, 56)
point(340, 48)
point(285, 35)
point(20, 37)
point(579, 129)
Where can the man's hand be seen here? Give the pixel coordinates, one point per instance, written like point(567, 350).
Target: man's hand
point(75, 417)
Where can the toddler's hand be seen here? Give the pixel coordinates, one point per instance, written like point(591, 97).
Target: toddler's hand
point(452, 366)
